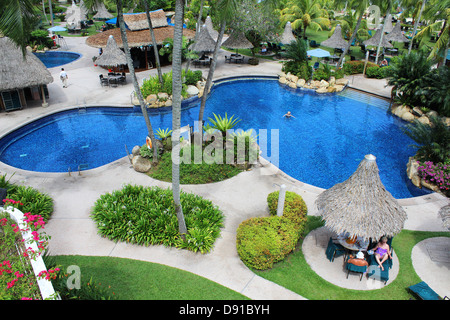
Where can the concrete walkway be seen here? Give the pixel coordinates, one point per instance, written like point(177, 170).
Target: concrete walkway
point(242, 197)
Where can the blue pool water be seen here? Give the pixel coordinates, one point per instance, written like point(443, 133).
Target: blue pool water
point(57, 58)
point(322, 146)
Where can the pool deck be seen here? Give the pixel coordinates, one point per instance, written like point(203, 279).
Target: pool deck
point(240, 198)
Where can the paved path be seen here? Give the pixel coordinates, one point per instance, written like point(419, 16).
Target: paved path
point(241, 197)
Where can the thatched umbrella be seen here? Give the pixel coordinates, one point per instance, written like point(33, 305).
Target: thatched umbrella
point(375, 40)
point(112, 56)
point(17, 73)
point(396, 34)
point(102, 12)
point(361, 205)
point(388, 23)
point(208, 23)
point(445, 216)
point(336, 40)
point(287, 37)
point(205, 43)
point(237, 40)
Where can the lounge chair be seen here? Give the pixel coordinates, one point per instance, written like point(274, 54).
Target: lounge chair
point(103, 80)
point(375, 272)
point(424, 292)
point(334, 250)
point(316, 65)
point(356, 265)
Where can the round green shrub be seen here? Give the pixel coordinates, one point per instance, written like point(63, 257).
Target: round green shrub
point(294, 208)
point(33, 201)
point(262, 241)
point(146, 216)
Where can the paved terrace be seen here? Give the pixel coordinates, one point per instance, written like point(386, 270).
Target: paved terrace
point(242, 197)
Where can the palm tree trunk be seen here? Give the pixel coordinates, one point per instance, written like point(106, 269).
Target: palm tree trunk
point(51, 12)
point(416, 24)
point(212, 68)
point(43, 10)
point(358, 23)
point(197, 31)
point(176, 114)
point(155, 45)
point(137, 89)
point(382, 31)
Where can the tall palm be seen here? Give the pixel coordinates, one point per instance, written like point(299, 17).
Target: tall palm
point(176, 113)
point(137, 89)
point(305, 14)
point(388, 11)
point(197, 32)
point(17, 19)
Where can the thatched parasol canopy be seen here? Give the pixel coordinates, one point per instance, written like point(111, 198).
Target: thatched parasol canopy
point(205, 43)
point(112, 56)
point(336, 40)
point(237, 40)
point(138, 21)
point(445, 216)
point(388, 23)
point(213, 33)
point(287, 37)
point(361, 205)
point(375, 40)
point(396, 34)
point(102, 12)
point(17, 73)
point(135, 38)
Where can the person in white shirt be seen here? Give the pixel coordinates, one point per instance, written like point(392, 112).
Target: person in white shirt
point(63, 76)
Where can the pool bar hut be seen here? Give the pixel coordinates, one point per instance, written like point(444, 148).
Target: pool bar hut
point(139, 37)
point(22, 78)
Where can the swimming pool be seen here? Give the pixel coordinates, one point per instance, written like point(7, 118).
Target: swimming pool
point(57, 58)
point(321, 146)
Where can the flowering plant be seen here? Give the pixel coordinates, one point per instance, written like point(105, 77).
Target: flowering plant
point(437, 174)
point(17, 279)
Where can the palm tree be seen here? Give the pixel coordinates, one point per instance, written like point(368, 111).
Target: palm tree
point(17, 19)
point(197, 32)
point(436, 92)
point(388, 11)
point(305, 14)
point(176, 114)
point(137, 89)
point(416, 23)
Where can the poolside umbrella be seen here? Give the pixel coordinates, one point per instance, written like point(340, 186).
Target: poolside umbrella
point(388, 23)
point(237, 40)
point(102, 12)
point(112, 56)
point(205, 43)
point(319, 53)
point(361, 205)
point(56, 29)
point(396, 34)
point(208, 23)
point(287, 37)
point(375, 40)
point(336, 40)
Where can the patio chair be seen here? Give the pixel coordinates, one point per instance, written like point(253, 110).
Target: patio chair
point(424, 292)
point(103, 81)
point(375, 272)
point(356, 265)
point(316, 65)
point(123, 78)
point(334, 250)
point(313, 44)
point(227, 59)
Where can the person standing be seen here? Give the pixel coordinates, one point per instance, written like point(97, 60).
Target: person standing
point(63, 76)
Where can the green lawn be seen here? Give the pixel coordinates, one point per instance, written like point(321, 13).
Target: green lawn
point(139, 280)
point(295, 274)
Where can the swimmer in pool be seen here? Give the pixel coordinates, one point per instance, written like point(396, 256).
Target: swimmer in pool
point(288, 115)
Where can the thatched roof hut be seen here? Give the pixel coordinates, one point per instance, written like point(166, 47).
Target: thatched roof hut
point(396, 34)
point(17, 73)
point(112, 56)
point(375, 40)
point(102, 12)
point(336, 40)
point(205, 43)
point(75, 14)
point(361, 205)
point(237, 40)
point(287, 37)
point(135, 38)
point(138, 21)
point(388, 23)
point(208, 23)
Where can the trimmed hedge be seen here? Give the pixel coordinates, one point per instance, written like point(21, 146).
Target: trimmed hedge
point(354, 67)
point(263, 241)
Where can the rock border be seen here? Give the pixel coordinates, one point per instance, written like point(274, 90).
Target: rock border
point(322, 86)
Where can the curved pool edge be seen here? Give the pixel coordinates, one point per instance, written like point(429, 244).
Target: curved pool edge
point(80, 55)
point(311, 188)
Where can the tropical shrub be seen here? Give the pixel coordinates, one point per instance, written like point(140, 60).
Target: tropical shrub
point(438, 174)
point(435, 93)
point(294, 208)
point(34, 201)
point(354, 67)
point(375, 72)
point(301, 70)
point(324, 73)
point(223, 124)
point(192, 77)
point(146, 216)
point(297, 59)
point(262, 241)
point(153, 86)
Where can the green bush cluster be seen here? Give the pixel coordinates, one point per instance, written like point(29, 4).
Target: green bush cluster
point(377, 72)
point(146, 216)
point(354, 67)
point(263, 241)
point(300, 69)
point(192, 77)
point(152, 85)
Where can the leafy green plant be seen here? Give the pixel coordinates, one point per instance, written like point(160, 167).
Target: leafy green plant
point(33, 201)
point(354, 67)
point(192, 77)
point(223, 124)
point(294, 208)
point(163, 133)
point(146, 216)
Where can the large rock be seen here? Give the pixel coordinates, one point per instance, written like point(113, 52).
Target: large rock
point(417, 112)
point(293, 85)
point(136, 150)
point(282, 80)
point(151, 98)
point(163, 96)
point(339, 87)
point(323, 83)
point(342, 81)
point(322, 90)
point(141, 164)
point(301, 83)
point(192, 90)
point(408, 116)
point(424, 119)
